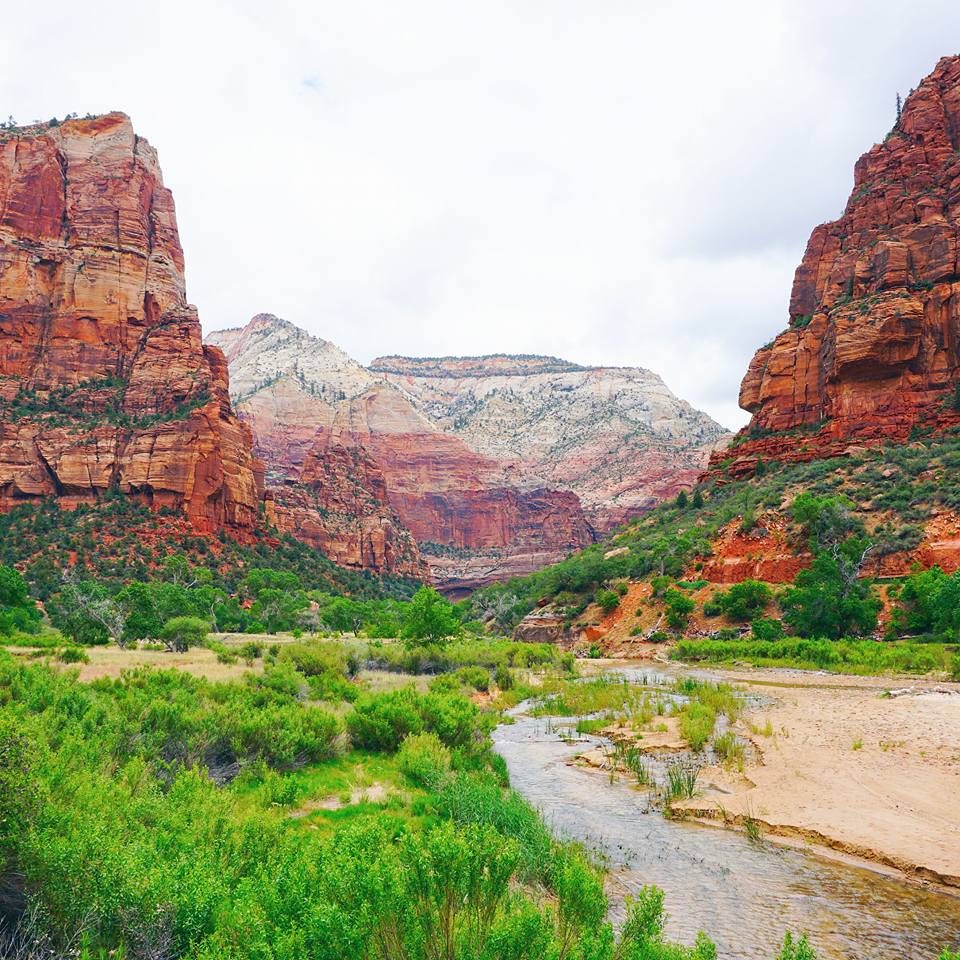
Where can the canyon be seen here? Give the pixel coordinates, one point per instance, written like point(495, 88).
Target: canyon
point(496, 466)
point(105, 383)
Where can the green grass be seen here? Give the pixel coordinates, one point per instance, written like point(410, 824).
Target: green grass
point(862, 657)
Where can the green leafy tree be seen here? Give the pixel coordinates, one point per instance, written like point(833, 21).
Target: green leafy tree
point(607, 600)
point(430, 618)
point(679, 607)
point(181, 633)
point(682, 500)
point(745, 600)
point(828, 600)
point(697, 500)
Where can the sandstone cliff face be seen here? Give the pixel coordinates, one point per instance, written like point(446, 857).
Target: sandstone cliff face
point(873, 347)
point(615, 436)
point(104, 380)
point(474, 517)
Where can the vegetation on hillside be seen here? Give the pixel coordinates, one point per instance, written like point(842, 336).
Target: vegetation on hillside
point(850, 510)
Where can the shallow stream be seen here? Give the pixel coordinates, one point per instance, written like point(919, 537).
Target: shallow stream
point(744, 895)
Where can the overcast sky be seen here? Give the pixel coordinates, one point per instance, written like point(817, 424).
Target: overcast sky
point(610, 182)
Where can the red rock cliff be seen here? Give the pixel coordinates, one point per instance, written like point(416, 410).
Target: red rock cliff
point(104, 379)
point(873, 347)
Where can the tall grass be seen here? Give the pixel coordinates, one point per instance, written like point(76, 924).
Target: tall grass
point(866, 657)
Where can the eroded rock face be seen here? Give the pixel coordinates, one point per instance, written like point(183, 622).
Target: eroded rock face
point(339, 506)
point(104, 380)
point(473, 516)
point(873, 347)
point(615, 436)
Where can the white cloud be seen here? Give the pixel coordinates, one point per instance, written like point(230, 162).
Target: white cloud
point(614, 182)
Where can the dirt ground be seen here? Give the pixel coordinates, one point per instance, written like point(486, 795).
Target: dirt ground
point(867, 766)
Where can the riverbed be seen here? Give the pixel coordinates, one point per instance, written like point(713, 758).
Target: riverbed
point(743, 893)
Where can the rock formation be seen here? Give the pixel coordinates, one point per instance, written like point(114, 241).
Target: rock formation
point(873, 346)
point(615, 436)
point(476, 518)
point(105, 383)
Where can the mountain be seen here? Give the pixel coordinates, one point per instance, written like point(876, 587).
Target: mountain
point(856, 404)
point(872, 350)
point(452, 457)
point(615, 436)
point(105, 384)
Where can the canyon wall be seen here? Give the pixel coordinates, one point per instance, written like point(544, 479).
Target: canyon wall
point(475, 519)
point(496, 465)
point(872, 350)
point(617, 437)
point(105, 384)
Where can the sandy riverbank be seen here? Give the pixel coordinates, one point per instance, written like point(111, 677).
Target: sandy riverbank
point(849, 766)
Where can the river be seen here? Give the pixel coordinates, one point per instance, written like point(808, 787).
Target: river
point(744, 895)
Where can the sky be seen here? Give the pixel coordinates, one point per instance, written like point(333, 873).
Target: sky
point(616, 183)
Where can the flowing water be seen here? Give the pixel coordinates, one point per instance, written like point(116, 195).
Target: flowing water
point(743, 895)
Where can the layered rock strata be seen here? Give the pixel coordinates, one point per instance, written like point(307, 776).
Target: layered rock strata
point(105, 384)
point(872, 351)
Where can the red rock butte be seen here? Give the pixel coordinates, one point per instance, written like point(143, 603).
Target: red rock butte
point(105, 383)
point(873, 346)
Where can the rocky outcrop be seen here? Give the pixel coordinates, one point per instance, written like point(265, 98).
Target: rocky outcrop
point(339, 506)
point(873, 346)
point(615, 436)
point(473, 516)
point(105, 383)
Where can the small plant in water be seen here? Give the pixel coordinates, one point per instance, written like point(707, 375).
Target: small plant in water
point(729, 749)
point(681, 783)
point(754, 833)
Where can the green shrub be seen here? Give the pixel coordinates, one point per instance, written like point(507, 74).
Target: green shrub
point(607, 600)
point(679, 607)
point(476, 677)
point(424, 759)
point(181, 633)
point(744, 601)
point(73, 655)
point(767, 629)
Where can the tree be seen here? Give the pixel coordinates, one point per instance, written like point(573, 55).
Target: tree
point(430, 617)
point(679, 607)
point(682, 500)
point(697, 500)
point(607, 600)
point(181, 633)
point(745, 601)
point(828, 600)
point(826, 521)
point(13, 588)
point(87, 613)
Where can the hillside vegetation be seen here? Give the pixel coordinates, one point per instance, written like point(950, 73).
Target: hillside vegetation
point(846, 524)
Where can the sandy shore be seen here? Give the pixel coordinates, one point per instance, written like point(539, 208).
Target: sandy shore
point(868, 767)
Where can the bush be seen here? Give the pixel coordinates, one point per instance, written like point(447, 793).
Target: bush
point(316, 658)
point(382, 721)
point(744, 601)
point(73, 655)
point(424, 760)
point(607, 600)
point(679, 607)
point(767, 629)
point(476, 677)
point(503, 676)
point(181, 633)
